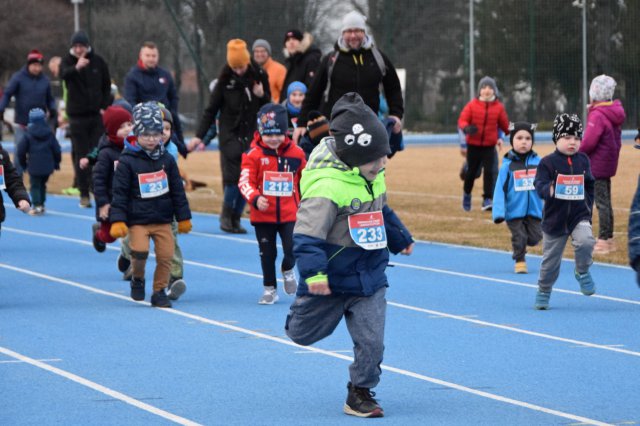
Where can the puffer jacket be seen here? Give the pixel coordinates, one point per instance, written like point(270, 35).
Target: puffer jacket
point(602, 139)
point(488, 117)
point(509, 204)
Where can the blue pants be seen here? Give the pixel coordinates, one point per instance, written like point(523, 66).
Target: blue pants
point(313, 318)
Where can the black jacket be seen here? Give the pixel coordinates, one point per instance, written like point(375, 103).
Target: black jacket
point(129, 206)
point(103, 172)
point(560, 216)
point(88, 90)
point(302, 67)
point(13, 182)
point(353, 71)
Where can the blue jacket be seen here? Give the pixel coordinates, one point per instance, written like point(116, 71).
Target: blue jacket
point(30, 92)
point(560, 217)
point(509, 204)
point(634, 230)
point(103, 172)
point(155, 84)
point(39, 150)
point(129, 206)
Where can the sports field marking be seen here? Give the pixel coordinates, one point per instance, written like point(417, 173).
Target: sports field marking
point(99, 388)
point(432, 313)
point(17, 361)
point(279, 340)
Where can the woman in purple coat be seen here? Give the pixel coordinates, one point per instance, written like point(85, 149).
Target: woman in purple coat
point(602, 143)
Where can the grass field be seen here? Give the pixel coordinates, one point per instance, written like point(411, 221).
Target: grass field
point(425, 190)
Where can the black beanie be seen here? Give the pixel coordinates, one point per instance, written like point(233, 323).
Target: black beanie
point(359, 134)
point(80, 37)
point(566, 125)
point(521, 125)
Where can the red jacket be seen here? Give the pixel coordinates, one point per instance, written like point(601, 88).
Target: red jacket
point(290, 158)
point(487, 117)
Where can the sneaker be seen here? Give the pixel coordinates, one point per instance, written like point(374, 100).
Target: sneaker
point(587, 286)
point(71, 191)
point(85, 202)
point(542, 300)
point(269, 297)
point(99, 245)
point(466, 202)
point(290, 282)
point(137, 288)
point(521, 267)
point(487, 205)
point(159, 299)
point(176, 288)
point(360, 402)
point(123, 263)
point(36, 211)
point(604, 246)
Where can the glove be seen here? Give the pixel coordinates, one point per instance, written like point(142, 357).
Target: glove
point(471, 129)
point(118, 230)
point(184, 226)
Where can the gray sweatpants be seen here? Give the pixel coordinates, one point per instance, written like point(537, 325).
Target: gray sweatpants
point(313, 318)
point(552, 248)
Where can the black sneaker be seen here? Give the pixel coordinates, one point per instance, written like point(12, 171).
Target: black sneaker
point(123, 263)
point(176, 288)
point(137, 288)
point(99, 245)
point(159, 299)
point(360, 402)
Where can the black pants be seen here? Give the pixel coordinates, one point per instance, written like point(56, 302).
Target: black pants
point(38, 189)
point(85, 133)
point(481, 157)
point(605, 210)
point(524, 232)
point(266, 235)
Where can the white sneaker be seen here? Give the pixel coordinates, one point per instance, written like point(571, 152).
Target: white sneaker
point(176, 289)
point(290, 282)
point(269, 297)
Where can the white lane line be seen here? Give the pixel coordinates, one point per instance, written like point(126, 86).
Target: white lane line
point(99, 388)
point(612, 348)
point(432, 313)
point(17, 361)
point(282, 341)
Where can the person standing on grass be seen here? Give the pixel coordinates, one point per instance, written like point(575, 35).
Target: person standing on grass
point(602, 143)
point(480, 120)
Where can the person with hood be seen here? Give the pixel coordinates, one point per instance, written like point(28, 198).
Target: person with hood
point(88, 82)
point(355, 65)
point(301, 59)
point(31, 89)
point(602, 143)
point(481, 120)
point(11, 182)
point(242, 88)
point(39, 154)
point(342, 239)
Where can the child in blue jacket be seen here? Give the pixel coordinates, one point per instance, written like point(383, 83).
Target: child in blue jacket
point(342, 238)
point(564, 181)
point(514, 197)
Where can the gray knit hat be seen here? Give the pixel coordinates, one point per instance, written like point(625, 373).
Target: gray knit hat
point(261, 43)
point(488, 81)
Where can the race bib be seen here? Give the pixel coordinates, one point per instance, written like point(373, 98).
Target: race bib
point(570, 187)
point(3, 185)
point(277, 184)
point(367, 230)
point(153, 184)
point(523, 179)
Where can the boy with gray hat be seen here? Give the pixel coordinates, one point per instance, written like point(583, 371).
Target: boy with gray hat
point(342, 238)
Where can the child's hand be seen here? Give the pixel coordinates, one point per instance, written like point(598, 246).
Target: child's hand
point(258, 90)
point(184, 226)
point(103, 212)
point(119, 230)
point(320, 288)
point(407, 251)
point(463, 152)
point(23, 206)
point(262, 203)
point(500, 144)
point(83, 163)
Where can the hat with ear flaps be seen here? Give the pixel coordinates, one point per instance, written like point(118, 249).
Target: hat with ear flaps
point(521, 125)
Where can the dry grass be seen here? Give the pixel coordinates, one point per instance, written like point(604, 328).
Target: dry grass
point(425, 190)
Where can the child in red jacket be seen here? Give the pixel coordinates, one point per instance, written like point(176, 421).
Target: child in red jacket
point(480, 120)
point(269, 181)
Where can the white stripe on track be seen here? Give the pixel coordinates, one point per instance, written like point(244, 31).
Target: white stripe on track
point(282, 341)
point(98, 387)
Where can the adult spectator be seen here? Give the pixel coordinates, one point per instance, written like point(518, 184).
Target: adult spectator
point(86, 77)
point(355, 65)
point(302, 59)
point(31, 89)
point(242, 88)
point(146, 81)
point(275, 70)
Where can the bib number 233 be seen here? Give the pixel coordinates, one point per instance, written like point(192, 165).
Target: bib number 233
point(367, 230)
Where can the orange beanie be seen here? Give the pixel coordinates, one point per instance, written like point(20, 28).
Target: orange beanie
point(237, 53)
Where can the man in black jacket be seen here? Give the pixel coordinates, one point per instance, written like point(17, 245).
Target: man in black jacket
point(355, 65)
point(88, 83)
